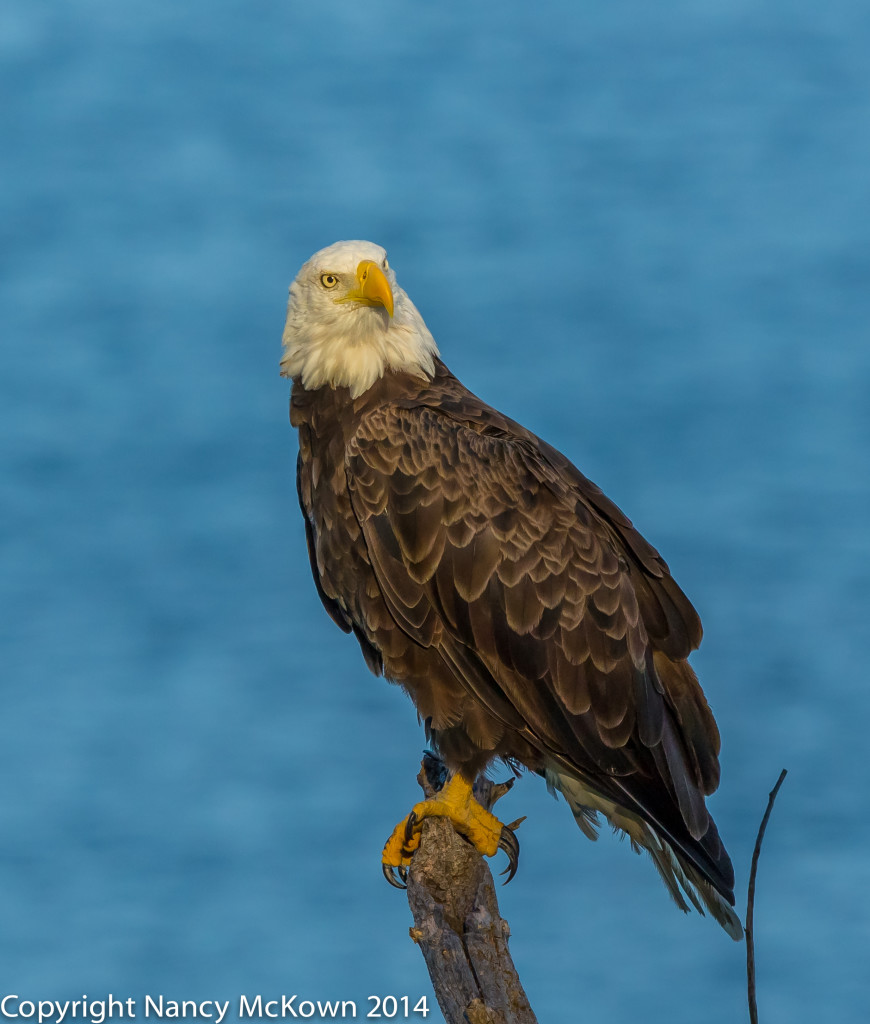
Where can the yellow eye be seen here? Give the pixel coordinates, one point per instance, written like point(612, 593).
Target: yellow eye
point(328, 280)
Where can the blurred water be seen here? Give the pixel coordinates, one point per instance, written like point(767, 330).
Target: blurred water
point(643, 231)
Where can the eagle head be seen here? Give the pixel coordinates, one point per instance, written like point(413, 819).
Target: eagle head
point(348, 322)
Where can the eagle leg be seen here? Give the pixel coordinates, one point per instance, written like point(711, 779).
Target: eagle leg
point(456, 802)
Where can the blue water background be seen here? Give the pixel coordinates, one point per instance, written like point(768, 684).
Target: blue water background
point(641, 229)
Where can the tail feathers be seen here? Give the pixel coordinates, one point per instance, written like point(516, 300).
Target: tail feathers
point(682, 879)
point(677, 873)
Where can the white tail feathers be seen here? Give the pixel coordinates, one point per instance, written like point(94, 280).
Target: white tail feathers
point(678, 874)
point(682, 879)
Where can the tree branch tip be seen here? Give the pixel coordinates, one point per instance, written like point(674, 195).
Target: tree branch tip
point(749, 929)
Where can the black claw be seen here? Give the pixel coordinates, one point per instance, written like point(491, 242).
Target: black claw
point(390, 875)
point(409, 827)
point(511, 846)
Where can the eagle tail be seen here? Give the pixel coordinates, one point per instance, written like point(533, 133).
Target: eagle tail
point(679, 874)
point(683, 879)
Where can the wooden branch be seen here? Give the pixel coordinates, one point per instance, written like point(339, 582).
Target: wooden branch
point(457, 924)
point(750, 902)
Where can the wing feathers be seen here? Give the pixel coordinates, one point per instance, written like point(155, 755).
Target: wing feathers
point(474, 564)
point(522, 607)
point(552, 611)
point(569, 682)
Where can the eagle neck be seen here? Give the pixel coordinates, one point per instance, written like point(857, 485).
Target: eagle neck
point(327, 409)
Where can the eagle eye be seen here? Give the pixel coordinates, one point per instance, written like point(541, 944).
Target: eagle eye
point(385, 265)
point(328, 280)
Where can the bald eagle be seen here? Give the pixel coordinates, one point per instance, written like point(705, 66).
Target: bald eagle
point(482, 572)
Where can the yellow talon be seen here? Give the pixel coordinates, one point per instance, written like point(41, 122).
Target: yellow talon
point(456, 802)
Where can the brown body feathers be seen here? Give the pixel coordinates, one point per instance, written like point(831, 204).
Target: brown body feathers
point(519, 608)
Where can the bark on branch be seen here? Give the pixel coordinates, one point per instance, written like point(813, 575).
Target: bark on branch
point(462, 935)
point(457, 924)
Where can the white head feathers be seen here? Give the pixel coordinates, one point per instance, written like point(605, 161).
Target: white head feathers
point(348, 322)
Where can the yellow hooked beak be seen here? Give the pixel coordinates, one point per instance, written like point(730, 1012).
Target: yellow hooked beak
point(373, 288)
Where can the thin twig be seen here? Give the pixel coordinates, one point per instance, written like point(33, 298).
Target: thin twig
point(750, 905)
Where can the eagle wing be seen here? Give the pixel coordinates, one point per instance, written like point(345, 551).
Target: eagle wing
point(552, 611)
